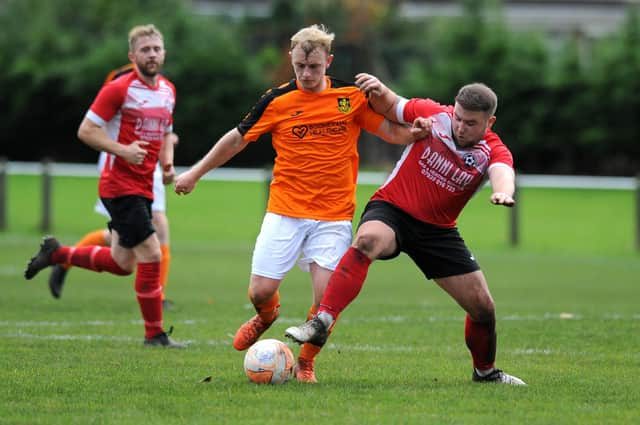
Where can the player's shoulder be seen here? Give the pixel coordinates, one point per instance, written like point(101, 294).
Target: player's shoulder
point(274, 93)
point(280, 90)
point(492, 138)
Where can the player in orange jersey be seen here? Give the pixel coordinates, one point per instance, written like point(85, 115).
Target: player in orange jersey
point(102, 237)
point(314, 121)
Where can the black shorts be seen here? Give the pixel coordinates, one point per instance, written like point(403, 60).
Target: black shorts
point(131, 218)
point(437, 251)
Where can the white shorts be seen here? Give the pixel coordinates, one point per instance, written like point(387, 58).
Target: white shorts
point(159, 198)
point(283, 241)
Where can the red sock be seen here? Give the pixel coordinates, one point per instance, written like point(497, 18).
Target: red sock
point(346, 282)
point(96, 258)
point(149, 294)
point(481, 340)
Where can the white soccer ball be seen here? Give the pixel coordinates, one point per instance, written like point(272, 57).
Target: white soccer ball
point(269, 361)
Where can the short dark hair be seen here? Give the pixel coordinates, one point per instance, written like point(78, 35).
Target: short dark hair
point(478, 97)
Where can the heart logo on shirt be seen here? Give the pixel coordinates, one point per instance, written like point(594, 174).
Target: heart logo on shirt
point(300, 130)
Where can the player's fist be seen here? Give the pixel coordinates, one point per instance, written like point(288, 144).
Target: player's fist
point(500, 198)
point(184, 183)
point(135, 152)
point(421, 127)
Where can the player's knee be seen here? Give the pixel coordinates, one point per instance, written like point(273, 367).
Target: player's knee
point(485, 311)
point(259, 294)
point(367, 243)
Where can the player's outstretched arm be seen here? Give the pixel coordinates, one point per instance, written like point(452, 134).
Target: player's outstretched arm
point(400, 134)
point(502, 179)
point(383, 100)
point(226, 148)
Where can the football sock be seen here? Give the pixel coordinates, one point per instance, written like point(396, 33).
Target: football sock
point(92, 238)
point(148, 292)
point(481, 341)
point(346, 282)
point(164, 267)
point(96, 258)
point(267, 310)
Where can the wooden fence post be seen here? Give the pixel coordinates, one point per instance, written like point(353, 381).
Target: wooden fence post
point(3, 193)
point(638, 211)
point(46, 194)
point(514, 231)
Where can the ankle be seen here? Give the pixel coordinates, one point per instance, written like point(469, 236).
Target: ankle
point(484, 372)
point(326, 318)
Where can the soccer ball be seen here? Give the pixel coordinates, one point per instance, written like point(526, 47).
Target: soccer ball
point(269, 361)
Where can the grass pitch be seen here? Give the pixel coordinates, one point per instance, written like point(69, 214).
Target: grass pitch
point(567, 305)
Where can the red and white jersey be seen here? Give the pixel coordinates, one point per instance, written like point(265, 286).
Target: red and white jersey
point(131, 110)
point(433, 179)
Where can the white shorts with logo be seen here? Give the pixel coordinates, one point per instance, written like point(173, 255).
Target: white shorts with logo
point(159, 198)
point(283, 241)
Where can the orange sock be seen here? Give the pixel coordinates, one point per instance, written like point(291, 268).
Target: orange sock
point(164, 267)
point(93, 238)
point(308, 352)
point(268, 309)
point(90, 239)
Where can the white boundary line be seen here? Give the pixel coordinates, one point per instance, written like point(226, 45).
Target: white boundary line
point(286, 320)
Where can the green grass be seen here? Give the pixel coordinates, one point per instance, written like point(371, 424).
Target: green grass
point(568, 322)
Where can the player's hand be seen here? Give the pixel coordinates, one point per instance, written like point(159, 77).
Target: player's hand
point(185, 183)
point(370, 85)
point(135, 152)
point(168, 174)
point(421, 127)
point(500, 198)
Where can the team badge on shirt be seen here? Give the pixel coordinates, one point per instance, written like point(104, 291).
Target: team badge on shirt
point(344, 104)
point(469, 160)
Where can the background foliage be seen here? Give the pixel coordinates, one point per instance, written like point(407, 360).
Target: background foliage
point(565, 106)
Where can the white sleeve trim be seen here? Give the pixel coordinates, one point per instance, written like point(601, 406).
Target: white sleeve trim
point(95, 118)
point(400, 109)
point(501, 164)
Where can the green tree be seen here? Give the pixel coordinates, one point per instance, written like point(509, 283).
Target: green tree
point(55, 56)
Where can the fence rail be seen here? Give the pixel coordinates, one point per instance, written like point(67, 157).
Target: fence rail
point(365, 177)
point(47, 169)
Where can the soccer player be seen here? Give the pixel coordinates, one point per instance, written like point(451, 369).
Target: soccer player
point(102, 237)
point(314, 121)
point(130, 119)
point(416, 209)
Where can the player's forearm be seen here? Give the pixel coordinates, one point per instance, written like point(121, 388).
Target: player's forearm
point(385, 103)
point(97, 138)
point(502, 180)
point(397, 134)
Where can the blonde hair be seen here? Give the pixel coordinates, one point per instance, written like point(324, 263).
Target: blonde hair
point(312, 37)
point(142, 31)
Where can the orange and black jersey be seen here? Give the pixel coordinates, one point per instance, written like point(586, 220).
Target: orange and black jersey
point(315, 136)
point(118, 72)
